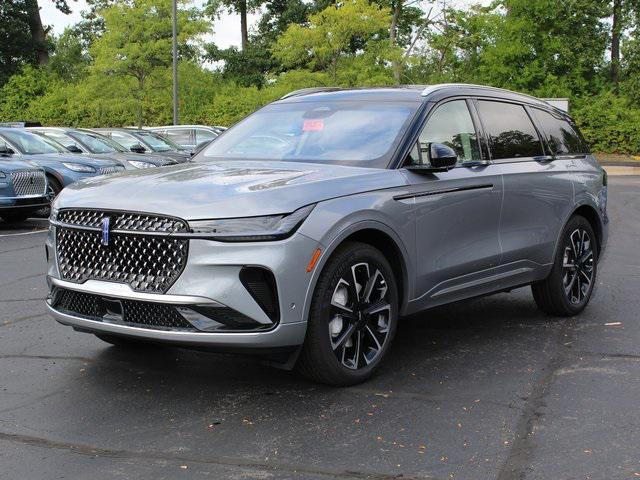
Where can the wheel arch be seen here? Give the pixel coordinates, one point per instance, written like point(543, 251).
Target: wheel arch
point(589, 212)
point(379, 236)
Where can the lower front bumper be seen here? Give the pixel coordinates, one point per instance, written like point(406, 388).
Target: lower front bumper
point(284, 335)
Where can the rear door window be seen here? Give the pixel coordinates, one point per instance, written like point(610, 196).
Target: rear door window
point(509, 129)
point(562, 136)
point(180, 136)
point(203, 135)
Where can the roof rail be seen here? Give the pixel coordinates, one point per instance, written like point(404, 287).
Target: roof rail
point(433, 88)
point(308, 91)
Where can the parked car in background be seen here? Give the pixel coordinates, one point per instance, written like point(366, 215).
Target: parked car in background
point(62, 167)
point(188, 136)
point(77, 140)
point(23, 188)
point(144, 141)
point(313, 224)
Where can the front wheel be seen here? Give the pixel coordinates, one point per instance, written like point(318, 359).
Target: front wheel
point(568, 288)
point(353, 317)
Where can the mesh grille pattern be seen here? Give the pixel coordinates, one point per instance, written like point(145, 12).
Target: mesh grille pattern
point(147, 264)
point(133, 312)
point(137, 222)
point(110, 170)
point(28, 182)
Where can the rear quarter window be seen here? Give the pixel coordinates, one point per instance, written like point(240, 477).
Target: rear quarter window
point(510, 131)
point(562, 134)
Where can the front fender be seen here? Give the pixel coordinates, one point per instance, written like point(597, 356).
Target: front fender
point(334, 221)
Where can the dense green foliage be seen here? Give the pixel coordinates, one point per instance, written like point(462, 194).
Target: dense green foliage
point(114, 67)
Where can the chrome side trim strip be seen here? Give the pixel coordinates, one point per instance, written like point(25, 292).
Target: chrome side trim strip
point(122, 290)
point(284, 335)
point(443, 191)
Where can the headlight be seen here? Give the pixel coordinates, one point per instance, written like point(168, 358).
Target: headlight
point(252, 229)
point(79, 167)
point(53, 214)
point(138, 164)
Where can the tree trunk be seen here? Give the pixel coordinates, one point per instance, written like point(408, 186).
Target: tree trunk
point(393, 36)
point(244, 30)
point(615, 43)
point(38, 33)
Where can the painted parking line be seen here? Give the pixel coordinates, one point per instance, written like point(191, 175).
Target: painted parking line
point(22, 233)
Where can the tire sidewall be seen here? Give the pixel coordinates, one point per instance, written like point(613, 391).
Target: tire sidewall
point(319, 316)
point(557, 274)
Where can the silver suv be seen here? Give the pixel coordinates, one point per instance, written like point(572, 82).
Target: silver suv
point(307, 229)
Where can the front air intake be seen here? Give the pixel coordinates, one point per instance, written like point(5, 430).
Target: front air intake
point(261, 284)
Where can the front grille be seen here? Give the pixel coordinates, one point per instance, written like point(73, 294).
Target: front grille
point(110, 170)
point(29, 182)
point(148, 263)
point(131, 312)
point(135, 222)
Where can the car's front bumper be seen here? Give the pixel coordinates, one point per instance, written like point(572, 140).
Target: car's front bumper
point(211, 277)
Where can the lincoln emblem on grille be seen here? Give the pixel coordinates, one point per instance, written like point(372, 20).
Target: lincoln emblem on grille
point(105, 231)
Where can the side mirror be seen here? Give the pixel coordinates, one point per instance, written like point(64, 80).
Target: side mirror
point(5, 150)
point(137, 148)
point(74, 149)
point(440, 158)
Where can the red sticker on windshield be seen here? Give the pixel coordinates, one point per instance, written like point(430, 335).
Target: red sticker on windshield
point(313, 126)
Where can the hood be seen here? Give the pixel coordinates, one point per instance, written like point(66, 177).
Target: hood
point(125, 157)
point(181, 156)
point(226, 189)
point(10, 165)
point(54, 159)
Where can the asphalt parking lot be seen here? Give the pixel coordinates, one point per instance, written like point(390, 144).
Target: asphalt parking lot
point(484, 389)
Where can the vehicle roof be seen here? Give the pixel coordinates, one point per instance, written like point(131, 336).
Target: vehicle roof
point(180, 126)
point(411, 93)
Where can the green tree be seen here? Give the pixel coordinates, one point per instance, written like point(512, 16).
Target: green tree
point(136, 44)
point(331, 34)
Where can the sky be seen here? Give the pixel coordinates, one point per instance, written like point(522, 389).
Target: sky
point(226, 29)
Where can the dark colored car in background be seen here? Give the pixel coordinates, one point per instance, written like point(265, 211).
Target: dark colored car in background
point(61, 167)
point(144, 141)
point(23, 188)
point(77, 140)
point(188, 136)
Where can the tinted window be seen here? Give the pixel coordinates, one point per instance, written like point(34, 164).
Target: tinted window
point(30, 143)
point(61, 138)
point(203, 135)
point(562, 136)
point(125, 139)
point(181, 137)
point(510, 130)
point(336, 132)
point(451, 125)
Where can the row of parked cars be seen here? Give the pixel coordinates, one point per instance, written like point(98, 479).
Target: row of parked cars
point(36, 163)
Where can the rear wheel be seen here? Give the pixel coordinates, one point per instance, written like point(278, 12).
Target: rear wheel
point(353, 317)
point(568, 288)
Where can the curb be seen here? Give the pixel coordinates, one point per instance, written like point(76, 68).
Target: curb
point(620, 170)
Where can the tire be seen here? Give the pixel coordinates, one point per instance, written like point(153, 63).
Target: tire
point(118, 341)
point(567, 290)
point(15, 217)
point(345, 347)
point(54, 187)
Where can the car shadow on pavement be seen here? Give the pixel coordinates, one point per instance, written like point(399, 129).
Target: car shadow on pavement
point(472, 327)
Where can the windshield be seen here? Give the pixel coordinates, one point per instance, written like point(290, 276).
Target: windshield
point(30, 143)
point(345, 133)
point(97, 144)
point(158, 143)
